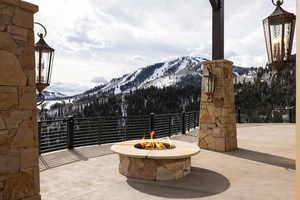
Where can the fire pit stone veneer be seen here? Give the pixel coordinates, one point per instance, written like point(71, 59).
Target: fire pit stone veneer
point(155, 165)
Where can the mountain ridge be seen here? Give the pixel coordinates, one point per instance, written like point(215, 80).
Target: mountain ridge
point(173, 72)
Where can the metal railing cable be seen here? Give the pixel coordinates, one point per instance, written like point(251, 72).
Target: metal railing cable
point(71, 132)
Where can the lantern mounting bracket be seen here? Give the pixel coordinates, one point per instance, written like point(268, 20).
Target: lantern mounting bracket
point(44, 28)
point(40, 99)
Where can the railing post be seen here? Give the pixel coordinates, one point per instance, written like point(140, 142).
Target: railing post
point(195, 119)
point(70, 133)
point(126, 127)
point(239, 115)
point(189, 121)
point(170, 128)
point(291, 115)
point(151, 121)
point(99, 132)
point(183, 123)
point(40, 136)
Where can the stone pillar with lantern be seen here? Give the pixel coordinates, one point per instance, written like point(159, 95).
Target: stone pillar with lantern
point(217, 130)
point(19, 166)
point(217, 110)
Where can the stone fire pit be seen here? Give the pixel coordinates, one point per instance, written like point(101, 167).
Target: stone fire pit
point(155, 165)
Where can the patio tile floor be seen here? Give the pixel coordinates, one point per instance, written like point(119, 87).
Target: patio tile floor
point(262, 169)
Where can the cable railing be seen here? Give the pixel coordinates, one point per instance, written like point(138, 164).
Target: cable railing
point(276, 115)
point(72, 132)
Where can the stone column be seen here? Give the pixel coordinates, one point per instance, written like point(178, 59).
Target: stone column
point(298, 102)
point(19, 170)
point(217, 114)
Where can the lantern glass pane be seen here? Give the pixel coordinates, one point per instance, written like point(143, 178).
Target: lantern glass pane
point(276, 39)
point(37, 66)
point(287, 39)
point(51, 57)
point(43, 66)
point(267, 37)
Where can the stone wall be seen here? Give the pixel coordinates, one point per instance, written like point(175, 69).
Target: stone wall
point(298, 102)
point(19, 171)
point(217, 115)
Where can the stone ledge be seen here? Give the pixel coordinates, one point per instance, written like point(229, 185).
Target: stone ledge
point(29, 6)
point(217, 61)
point(182, 150)
point(11, 2)
point(22, 4)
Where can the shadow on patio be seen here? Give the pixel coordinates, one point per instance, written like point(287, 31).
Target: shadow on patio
point(65, 157)
point(264, 158)
point(200, 183)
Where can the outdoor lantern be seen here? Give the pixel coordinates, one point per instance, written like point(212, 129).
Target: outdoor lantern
point(279, 30)
point(44, 55)
point(208, 83)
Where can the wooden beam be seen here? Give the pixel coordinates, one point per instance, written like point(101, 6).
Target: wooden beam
point(215, 4)
point(218, 29)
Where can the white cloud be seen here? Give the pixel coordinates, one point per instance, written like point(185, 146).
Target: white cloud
point(95, 38)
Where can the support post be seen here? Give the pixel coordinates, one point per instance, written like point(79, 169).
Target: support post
point(195, 119)
point(290, 115)
point(239, 115)
point(189, 121)
point(99, 132)
point(70, 129)
point(170, 127)
point(218, 29)
point(152, 121)
point(183, 123)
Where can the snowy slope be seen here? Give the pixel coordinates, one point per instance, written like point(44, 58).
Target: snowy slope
point(49, 95)
point(160, 75)
point(177, 71)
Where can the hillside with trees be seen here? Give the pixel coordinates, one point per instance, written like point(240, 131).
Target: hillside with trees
point(263, 99)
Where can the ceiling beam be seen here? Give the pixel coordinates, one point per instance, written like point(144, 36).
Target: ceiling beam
point(218, 29)
point(215, 4)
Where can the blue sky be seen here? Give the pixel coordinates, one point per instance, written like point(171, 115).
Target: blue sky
point(97, 40)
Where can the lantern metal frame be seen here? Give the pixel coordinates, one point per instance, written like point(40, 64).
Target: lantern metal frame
point(42, 48)
point(279, 48)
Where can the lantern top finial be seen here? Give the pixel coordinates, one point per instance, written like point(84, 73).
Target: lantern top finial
point(278, 2)
point(279, 10)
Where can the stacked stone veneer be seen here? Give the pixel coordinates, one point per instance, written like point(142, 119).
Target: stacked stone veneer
point(154, 169)
point(217, 116)
point(19, 172)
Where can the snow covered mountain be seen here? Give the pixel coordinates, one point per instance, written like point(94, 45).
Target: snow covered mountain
point(50, 95)
point(159, 75)
point(176, 72)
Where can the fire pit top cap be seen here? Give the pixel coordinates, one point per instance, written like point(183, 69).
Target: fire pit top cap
point(182, 150)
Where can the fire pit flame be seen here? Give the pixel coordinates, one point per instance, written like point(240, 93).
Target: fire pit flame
point(153, 144)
